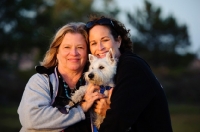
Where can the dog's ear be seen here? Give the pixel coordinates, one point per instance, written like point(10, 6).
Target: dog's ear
point(110, 56)
point(91, 58)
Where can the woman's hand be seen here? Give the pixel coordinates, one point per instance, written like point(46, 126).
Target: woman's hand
point(91, 95)
point(102, 105)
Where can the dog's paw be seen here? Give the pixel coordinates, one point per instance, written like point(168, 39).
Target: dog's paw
point(79, 94)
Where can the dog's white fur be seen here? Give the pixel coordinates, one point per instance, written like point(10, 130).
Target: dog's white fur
point(102, 71)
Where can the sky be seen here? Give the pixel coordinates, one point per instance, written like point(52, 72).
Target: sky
point(185, 12)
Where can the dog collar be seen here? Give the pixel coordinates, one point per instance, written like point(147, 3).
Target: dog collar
point(103, 88)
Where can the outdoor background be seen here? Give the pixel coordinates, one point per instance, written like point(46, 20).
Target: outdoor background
point(27, 28)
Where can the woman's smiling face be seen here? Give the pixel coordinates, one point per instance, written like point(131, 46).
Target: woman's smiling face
point(101, 40)
point(72, 52)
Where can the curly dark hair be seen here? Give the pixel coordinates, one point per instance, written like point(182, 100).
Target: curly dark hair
point(118, 30)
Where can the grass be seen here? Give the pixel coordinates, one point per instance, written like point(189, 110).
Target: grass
point(185, 118)
point(9, 121)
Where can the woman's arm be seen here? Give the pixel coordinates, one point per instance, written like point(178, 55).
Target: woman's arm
point(35, 110)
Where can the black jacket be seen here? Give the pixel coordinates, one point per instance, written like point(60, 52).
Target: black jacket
point(138, 102)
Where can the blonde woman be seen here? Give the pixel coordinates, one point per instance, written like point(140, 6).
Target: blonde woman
point(44, 104)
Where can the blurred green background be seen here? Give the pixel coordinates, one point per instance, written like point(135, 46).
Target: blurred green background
point(27, 27)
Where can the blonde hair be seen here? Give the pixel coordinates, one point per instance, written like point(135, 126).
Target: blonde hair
point(50, 59)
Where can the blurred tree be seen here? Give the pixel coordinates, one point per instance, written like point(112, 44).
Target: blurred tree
point(71, 10)
point(20, 26)
point(107, 8)
point(159, 38)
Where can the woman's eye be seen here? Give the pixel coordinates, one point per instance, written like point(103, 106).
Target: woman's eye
point(105, 40)
point(92, 43)
point(80, 47)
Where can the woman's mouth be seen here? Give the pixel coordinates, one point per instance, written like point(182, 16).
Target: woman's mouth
point(74, 59)
point(102, 55)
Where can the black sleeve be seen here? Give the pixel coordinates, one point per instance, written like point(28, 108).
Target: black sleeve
point(132, 93)
point(82, 126)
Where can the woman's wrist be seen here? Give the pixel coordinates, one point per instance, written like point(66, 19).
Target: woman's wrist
point(83, 105)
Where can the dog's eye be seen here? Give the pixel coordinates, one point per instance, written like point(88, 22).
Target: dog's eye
point(101, 67)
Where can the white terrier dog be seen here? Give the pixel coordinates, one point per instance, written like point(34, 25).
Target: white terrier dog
point(101, 72)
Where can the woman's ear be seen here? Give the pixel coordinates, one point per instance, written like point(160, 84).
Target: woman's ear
point(119, 41)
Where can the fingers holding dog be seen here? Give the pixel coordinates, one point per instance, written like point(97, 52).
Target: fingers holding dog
point(101, 106)
point(92, 88)
point(90, 97)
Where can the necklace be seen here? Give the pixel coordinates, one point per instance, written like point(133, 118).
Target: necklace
point(68, 91)
point(65, 89)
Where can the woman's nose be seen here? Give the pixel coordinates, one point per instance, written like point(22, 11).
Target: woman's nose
point(74, 51)
point(100, 46)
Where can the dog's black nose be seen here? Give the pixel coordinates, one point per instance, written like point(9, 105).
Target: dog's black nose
point(91, 75)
